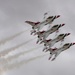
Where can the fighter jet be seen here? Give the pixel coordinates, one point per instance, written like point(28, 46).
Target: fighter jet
point(42, 35)
point(49, 43)
point(57, 51)
point(36, 26)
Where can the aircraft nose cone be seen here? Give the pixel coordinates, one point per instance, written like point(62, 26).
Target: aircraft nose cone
point(58, 16)
point(63, 24)
point(68, 33)
point(73, 43)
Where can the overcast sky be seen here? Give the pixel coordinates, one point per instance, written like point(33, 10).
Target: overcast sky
point(14, 13)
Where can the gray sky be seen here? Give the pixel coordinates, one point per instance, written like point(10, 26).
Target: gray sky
point(13, 14)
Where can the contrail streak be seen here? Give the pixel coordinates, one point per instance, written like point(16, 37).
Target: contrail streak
point(20, 54)
point(16, 65)
point(2, 72)
point(5, 52)
point(6, 61)
point(12, 37)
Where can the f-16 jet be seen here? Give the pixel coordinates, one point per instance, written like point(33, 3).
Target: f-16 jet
point(36, 26)
point(57, 51)
point(42, 35)
point(49, 43)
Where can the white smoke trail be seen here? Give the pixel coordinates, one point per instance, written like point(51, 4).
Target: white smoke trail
point(5, 61)
point(5, 52)
point(20, 54)
point(2, 61)
point(17, 65)
point(12, 37)
point(2, 72)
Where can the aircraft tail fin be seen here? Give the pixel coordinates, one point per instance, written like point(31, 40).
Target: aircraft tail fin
point(31, 23)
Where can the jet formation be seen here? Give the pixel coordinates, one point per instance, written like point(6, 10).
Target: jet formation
point(44, 34)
